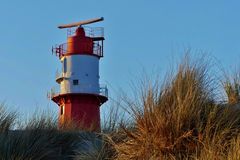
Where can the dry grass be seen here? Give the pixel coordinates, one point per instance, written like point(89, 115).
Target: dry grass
point(181, 120)
point(178, 119)
point(38, 139)
point(231, 85)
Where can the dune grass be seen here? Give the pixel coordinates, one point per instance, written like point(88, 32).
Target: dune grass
point(38, 139)
point(180, 118)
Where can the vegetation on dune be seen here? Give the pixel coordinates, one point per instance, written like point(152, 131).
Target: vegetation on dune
point(38, 139)
point(180, 118)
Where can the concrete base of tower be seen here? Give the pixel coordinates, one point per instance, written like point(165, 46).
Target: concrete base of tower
point(81, 109)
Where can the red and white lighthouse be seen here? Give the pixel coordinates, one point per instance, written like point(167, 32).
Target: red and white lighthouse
point(80, 95)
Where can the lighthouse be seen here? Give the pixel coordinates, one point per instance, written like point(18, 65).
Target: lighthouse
point(80, 95)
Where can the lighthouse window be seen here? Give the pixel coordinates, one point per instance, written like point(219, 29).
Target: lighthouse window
point(64, 65)
point(62, 110)
point(75, 82)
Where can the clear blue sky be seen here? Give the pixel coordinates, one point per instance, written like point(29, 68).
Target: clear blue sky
point(139, 34)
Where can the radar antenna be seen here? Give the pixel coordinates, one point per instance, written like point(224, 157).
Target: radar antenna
point(81, 23)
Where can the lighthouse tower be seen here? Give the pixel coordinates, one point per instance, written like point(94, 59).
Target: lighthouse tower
point(80, 95)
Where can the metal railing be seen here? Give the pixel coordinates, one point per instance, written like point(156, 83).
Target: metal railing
point(61, 50)
point(59, 75)
point(53, 92)
point(103, 91)
point(97, 49)
point(92, 32)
